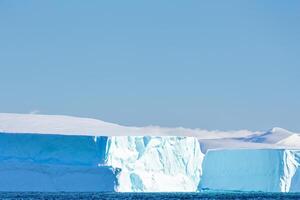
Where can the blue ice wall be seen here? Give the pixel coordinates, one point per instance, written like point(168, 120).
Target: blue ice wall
point(49, 163)
point(53, 149)
point(267, 170)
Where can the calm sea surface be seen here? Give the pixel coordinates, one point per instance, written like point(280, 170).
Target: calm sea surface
point(157, 196)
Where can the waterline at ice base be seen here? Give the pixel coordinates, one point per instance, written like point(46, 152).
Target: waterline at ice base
point(62, 153)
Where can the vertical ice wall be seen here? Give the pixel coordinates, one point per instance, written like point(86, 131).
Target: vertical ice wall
point(33, 162)
point(268, 170)
point(41, 162)
point(154, 164)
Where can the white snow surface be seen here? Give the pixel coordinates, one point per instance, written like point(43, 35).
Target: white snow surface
point(67, 125)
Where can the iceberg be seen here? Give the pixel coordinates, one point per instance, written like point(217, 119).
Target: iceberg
point(267, 170)
point(63, 153)
point(156, 164)
point(47, 162)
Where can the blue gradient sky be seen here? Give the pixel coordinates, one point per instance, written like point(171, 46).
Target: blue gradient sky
point(207, 64)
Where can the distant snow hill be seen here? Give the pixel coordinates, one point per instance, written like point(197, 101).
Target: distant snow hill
point(63, 153)
point(67, 125)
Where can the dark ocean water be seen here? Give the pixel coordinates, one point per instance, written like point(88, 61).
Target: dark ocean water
point(157, 196)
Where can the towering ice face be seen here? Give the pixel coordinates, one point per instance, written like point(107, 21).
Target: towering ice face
point(154, 164)
point(45, 162)
point(62, 153)
point(35, 162)
point(268, 170)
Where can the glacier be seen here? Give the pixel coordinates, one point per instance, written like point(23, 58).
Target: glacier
point(62, 153)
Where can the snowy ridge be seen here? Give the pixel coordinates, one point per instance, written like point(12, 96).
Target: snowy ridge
point(67, 125)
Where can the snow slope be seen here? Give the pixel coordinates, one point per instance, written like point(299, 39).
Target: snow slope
point(67, 125)
point(272, 136)
point(271, 139)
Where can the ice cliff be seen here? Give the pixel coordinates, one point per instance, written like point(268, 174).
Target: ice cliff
point(267, 170)
point(61, 153)
point(41, 162)
point(34, 162)
point(156, 163)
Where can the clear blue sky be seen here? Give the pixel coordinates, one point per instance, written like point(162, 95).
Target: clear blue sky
point(208, 64)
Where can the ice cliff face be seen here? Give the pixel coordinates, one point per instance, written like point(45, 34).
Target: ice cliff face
point(154, 164)
point(61, 153)
point(268, 170)
point(36, 162)
point(33, 162)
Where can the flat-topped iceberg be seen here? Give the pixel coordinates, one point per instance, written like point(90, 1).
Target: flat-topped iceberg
point(267, 170)
point(63, 153)
point(43, 162)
